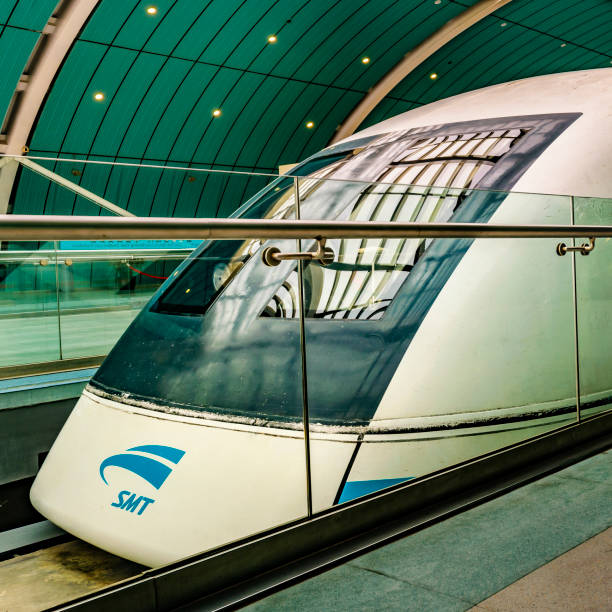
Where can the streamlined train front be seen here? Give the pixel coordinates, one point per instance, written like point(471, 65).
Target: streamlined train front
point(420, 354)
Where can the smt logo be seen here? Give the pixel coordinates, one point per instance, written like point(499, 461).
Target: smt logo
point(152, 470)
point(132, 502)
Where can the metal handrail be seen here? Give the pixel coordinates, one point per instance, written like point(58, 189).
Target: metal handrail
point(94, 255)
point(65, 227)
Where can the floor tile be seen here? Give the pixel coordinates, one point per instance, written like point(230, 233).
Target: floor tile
point(350, 588)
point(580, 579)
point(471, 556)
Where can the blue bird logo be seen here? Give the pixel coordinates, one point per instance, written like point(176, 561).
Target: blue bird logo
point(153, 471)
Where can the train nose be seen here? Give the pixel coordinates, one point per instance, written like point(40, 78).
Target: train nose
point(154, 488)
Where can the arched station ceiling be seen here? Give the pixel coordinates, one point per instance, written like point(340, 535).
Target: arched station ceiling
point(161, 73)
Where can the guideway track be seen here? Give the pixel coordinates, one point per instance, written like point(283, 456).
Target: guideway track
point(55, 572)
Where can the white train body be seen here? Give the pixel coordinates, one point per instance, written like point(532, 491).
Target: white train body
point(190, 437)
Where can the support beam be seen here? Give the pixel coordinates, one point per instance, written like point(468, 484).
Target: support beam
point(66, 28)
point(413, 59)
point(60, 33)
point(8, 170)
point(64, 182)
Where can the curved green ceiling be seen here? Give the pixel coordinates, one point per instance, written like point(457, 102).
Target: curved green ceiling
point(163, 75)
point(520, 40)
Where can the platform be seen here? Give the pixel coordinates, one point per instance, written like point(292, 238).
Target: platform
point(86, 331)
point(544, 546)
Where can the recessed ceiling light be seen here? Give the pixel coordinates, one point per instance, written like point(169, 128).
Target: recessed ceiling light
point(503, 24)
point(216, 112)
point(152, 10)
point(365, 60)
point(310, 124)
point(433, 76)
point(438, 2)
point(563, 44)
point(99, 96)
point(272, 39)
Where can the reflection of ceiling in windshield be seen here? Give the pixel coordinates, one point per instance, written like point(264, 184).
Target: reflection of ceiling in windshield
point(283, 208)
point(210, 271)
point(422, 180)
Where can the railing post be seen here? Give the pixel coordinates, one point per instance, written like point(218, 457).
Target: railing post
point(57, 298)
point(575, 300)
point(305, 413)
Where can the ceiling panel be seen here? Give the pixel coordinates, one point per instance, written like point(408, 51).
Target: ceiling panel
point(15, 48)
point(152, 107)
point(29, 14)
point(89, 114)
point(520, 40)
point(66, 96)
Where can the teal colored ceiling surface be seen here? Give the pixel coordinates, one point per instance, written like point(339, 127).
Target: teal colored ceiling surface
point(520, 40)
point(163, 75)
point(26, 14)
point(21, 24)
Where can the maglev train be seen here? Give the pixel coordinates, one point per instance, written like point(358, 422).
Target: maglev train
point(419, 353)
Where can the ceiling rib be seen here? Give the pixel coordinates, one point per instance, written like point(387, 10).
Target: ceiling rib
point(60, 32)
point(63, 30)
point(412, 60)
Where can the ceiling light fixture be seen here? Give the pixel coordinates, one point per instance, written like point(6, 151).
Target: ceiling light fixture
point(563, 44)
point(152, 10)
point(310, 124)
point(504, 24)
point(99, 96)
point(433, 76)
point(216, 112)
point(365, 60)
point(272, 39)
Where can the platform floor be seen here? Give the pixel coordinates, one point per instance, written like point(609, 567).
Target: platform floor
point(36, 339)
point(545, 546)
point(579, 579)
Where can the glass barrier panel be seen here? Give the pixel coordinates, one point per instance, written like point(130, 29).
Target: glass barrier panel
point(198, 378)
point(425, 353)
point(104, 284)
point(29, 324)
point(593, 299)
point(419, 353)
point(101, 285)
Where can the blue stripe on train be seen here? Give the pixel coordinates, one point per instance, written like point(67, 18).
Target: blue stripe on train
point(358, 488)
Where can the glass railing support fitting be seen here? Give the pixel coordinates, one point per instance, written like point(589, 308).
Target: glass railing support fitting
point(583, 249)
point(272, 256)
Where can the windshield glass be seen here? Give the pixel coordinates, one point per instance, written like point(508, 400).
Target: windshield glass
point(213, 267)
